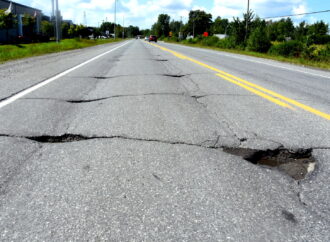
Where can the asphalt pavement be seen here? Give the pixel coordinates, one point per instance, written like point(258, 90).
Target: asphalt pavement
point(137, 141)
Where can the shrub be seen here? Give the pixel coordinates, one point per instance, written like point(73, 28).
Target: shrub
point(258, 40)
point(227, 43)
point(290, 48)
point(324, 54)
point(210, 41)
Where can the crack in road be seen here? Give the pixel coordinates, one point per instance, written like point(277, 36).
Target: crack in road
point(295, 163)
point(67, 138)
point(109, 97)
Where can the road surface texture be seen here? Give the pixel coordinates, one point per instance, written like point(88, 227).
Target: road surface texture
point(137, 141)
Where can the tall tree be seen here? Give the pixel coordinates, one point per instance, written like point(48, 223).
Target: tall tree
point(220, 26)
point(199, 22)
point(162, 27)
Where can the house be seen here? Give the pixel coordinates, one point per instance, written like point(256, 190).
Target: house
point(19, 10)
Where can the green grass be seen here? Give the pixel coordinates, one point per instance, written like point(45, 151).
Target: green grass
point(13, 52)
point(292, 60)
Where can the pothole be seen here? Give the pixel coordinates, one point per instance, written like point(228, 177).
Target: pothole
point(101, 77)
point(173, 75)
point(295, 163)
point(58, 139)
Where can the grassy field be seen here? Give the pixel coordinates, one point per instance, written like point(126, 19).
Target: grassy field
point(298, 61)
point(13, 52)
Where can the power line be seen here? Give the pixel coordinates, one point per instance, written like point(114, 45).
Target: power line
point(292, 15)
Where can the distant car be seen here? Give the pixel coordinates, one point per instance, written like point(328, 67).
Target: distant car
point(153, 38)
point(146, 38)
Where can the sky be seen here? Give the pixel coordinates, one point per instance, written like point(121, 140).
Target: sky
point(144, 13)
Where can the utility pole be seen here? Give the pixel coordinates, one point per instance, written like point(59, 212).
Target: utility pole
point(53, 18)
point(85, 19)
point(194, 26)
point(247, 19)
point(114, 28)
point(57, 22)
point(180, 34)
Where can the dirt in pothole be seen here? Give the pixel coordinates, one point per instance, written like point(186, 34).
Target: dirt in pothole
point(295, 163)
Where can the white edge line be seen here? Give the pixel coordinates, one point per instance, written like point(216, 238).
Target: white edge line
point(259, 62)
point(44, 83)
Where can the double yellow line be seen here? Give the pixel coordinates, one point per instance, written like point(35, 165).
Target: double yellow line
point(256, 89)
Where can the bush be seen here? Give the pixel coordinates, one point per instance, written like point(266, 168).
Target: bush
point(259, 41)
point(227, 43)
point(210, 41)
point(324, 54)
point(191, 41)
point(292, 48)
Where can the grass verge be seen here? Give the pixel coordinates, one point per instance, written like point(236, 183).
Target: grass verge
point(299, 61)
point(13, 52)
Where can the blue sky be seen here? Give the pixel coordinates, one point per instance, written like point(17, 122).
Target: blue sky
point(143, 13)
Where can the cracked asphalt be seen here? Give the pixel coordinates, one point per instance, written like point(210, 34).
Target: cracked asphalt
point(131, 147)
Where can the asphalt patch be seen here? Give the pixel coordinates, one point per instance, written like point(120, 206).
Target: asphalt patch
point(295, 163)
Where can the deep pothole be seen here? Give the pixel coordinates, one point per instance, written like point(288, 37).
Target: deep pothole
point(295, 163)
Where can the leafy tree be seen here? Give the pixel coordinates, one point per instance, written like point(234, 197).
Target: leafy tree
point(259, 40)
point(132, 31)
point(317, 33)
point(65, 30)
point(175, 27)
point(220, 26)
point(238, 28)
point(7, 21)
point(107, 26)
point(300, 31)
point(47, 28)
point(199, 22)
point(162, 27)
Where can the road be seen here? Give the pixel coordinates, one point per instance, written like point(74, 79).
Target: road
point(137, 141)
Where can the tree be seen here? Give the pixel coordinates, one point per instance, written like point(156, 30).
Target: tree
point(175, 27)
point(107, 26)
point(199, 22)
point(317, 33)
point(220, 26)
point(65, 30)
point(7, 21)
point(47, 28)
point(29, 24)
point(300, 31)
point(258, 39)
point(132, 31)
point(162, 27)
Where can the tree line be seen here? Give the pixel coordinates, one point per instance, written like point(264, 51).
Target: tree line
point(281, 37)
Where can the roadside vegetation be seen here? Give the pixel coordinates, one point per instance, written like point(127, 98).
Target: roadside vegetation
point(34, 43)
point(12, 52)
point(305, 44)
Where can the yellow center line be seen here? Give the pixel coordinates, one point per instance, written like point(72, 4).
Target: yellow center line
point(261, 94)
point(252, 87)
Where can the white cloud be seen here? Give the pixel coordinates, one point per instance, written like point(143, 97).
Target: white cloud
point(299, 10)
